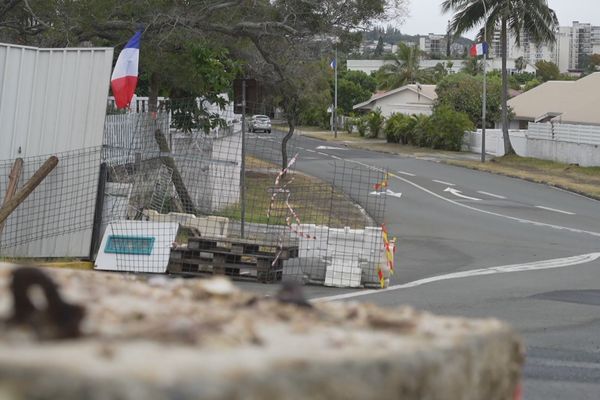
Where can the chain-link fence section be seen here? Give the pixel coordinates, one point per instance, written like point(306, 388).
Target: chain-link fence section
point(195, 190)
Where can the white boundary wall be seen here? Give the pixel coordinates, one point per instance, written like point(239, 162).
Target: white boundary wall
point(566, 143)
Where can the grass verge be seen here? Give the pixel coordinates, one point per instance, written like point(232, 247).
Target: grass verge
point(314, 201)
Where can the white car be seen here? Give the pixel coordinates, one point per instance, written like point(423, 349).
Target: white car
point(260, 123)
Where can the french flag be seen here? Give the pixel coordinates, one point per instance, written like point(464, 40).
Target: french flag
point(124, 78)
point(479, 49)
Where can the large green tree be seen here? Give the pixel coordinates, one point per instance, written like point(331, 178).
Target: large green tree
point(531, 17)
point(462, 93)
point(353, 87)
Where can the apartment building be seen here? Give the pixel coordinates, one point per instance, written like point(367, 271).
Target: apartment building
point(433, 44)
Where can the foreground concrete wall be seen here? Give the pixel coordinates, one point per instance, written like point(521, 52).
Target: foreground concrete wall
point(192, 339)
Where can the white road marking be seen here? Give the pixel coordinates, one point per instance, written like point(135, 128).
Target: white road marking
point(491, 194)
point(323, 154)
point(533, 266)
point(388, 192)
point(330, 148)
point(310, 151)
point(336, 157)
point(444, 183)
point(458, 193)
point(555, 210)
point(472, 208)
point(406, 173)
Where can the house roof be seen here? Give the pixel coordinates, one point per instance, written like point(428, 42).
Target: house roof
point(569, 101)
point(427, 91)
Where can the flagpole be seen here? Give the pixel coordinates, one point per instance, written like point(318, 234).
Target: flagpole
point(335, 95)
point(484, 100)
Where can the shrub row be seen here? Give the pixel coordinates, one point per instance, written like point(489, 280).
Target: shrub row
point(444, 129)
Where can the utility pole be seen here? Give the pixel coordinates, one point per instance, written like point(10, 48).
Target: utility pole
point(335, 66)
point(243, 163)
point(484, 100)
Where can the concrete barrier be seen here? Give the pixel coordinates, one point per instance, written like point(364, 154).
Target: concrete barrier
point(203, 339)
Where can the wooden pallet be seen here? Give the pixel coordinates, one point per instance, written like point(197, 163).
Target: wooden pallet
point(239, 258)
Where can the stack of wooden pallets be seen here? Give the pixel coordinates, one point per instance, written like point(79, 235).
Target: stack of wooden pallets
point(240, 258)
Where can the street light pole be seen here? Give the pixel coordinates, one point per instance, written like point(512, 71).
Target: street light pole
point(484, 100)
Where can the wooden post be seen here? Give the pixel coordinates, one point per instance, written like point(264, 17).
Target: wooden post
point(13, 181)
point(33, 182)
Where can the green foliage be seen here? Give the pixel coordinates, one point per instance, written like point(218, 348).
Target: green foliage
point(361, 124)
point(462, 92)
point(447, 128)
point(375, 121)
point(212, 73)
point(402, 69)
point(422, 130)
point(353, 87)
point(531, 84)
point(547, 71)
point(399, 128)
point(349, 125)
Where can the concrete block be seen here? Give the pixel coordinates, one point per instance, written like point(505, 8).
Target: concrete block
point(203, 339)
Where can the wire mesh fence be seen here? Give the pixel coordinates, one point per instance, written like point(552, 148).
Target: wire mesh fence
point(192, 192)
point(60, 207)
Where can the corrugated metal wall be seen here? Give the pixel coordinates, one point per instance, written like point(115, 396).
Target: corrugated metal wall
point(53, 101)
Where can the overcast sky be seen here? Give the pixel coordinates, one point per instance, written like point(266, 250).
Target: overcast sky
point(425, 16)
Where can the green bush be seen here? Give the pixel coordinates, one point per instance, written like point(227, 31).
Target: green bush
point(349, 125)
point(447, 128)
point(399, 128)
point(422, 130)
point(361, 125)
point(375, 121)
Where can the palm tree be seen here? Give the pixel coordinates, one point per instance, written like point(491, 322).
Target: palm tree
point(403, 69)
point(530, 17)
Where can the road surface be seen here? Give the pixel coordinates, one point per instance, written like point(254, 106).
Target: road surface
point(481, 245)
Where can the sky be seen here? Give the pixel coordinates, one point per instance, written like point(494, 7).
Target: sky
point(425, 16)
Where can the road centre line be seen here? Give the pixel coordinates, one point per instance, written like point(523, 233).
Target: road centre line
point(491, 194)
point(406, 173)
point(310, 151)
point(555, 210)
point(443, 183)
point(532, 266)
point(469, 207)
point(323, 154)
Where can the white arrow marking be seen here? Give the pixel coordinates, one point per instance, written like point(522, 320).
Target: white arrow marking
point(388, 192)
point(458, 194)
point(491, 194)
point(330, 148)
point(393, 194)
point(533, 266)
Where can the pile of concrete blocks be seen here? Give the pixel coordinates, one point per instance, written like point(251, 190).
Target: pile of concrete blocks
point(211, 226)
point(352, 256)
point(181, 339)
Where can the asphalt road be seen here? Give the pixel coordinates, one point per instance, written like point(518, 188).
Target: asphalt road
point(451, 221)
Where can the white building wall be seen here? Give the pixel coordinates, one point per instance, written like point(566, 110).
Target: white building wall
point(405, 102)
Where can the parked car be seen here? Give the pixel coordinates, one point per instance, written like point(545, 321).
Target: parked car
point(260, 123)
